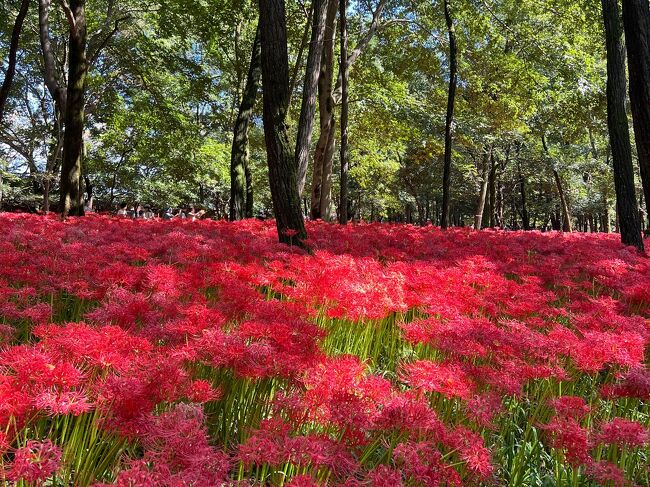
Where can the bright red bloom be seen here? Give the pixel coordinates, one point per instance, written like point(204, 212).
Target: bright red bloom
point(35, 462)
point(623, 432)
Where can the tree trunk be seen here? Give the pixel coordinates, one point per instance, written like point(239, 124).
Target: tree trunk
point(309, 90)
point(239, 182)
point(280, 157)
point(617, 122)
point(324, 155)
point(525, 216)
point(343, 200)
point(564, 205)
point(492, 191)
point(50, 76)
point(249, 191)
point(320, 182)
point(636, 20)
point(480, 207)
point(13, 50)
point(449, 122)
point(301, 50)
point(71, 170)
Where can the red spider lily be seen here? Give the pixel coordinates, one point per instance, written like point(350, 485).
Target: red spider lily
point(35, 462)
point(623, 432)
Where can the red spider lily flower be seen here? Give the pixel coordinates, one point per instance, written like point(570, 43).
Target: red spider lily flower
point(35, 462)
point(635, 383)
point(623, 432)
point(484, 408)
point(70, 402)
point(570, 407)
point(568, 435)
point(384, 476)
point(606, 473)
point(447, 379)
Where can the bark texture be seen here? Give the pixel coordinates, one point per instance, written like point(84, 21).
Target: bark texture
point(71, 196)
point(309, 90)
point(636, 21)
point(240, 183)
point(280, 156)
point(619, 133)
point(449, 122)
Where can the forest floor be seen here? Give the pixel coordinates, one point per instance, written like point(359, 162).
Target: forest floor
point(205, 353)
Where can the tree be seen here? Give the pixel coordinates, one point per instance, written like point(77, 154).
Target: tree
point(449, 121)
point(343, 192)
point(619, 136)
point(309, 90)
point(240, 206)
point(636, 21)
point(13, 49)
point(280, 158)
point(71, 194)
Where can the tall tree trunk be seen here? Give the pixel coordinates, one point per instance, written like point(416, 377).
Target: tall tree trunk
point(492, 178)
point(619, 132)
point(449, 122)
point(636, 20)
point(309, 90)
point(525, 217)
point(239, 182)
point(52, 82)
point(13, 50)
point(301, 50)
point(564, 205)
point(280, 156)
point(324, 155)
point(480, 207)
point(325, 144)
point(249, 191)
point(71, 171)
point(343, 200)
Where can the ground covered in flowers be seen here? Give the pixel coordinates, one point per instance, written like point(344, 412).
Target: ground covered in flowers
point(204, 353)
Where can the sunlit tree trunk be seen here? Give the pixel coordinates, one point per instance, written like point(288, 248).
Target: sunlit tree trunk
point(449, 122)
point(280, 156)
point(240, 183)
point(71, 171)
point(309, 90)
point(617, 122)
point(480, 207)
point(320, 182)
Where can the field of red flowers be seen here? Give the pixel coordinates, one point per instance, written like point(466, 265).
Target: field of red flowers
point(143, 353)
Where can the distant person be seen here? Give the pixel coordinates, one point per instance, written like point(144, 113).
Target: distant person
point(122, 211)
point(168, 214)
point(148, 214)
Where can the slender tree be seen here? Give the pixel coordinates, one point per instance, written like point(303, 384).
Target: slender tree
point(239, 181)
point(309, 90)
point(617, 122)
point(71, 170)
point(449, 122)
point(567, 226)
point(343, 199)
point(280, 156)
point(480, 206)
point(13, 50)
point(636, 21)
point(321, 171)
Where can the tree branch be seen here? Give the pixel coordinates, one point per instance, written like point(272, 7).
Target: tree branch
point(69, 15)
